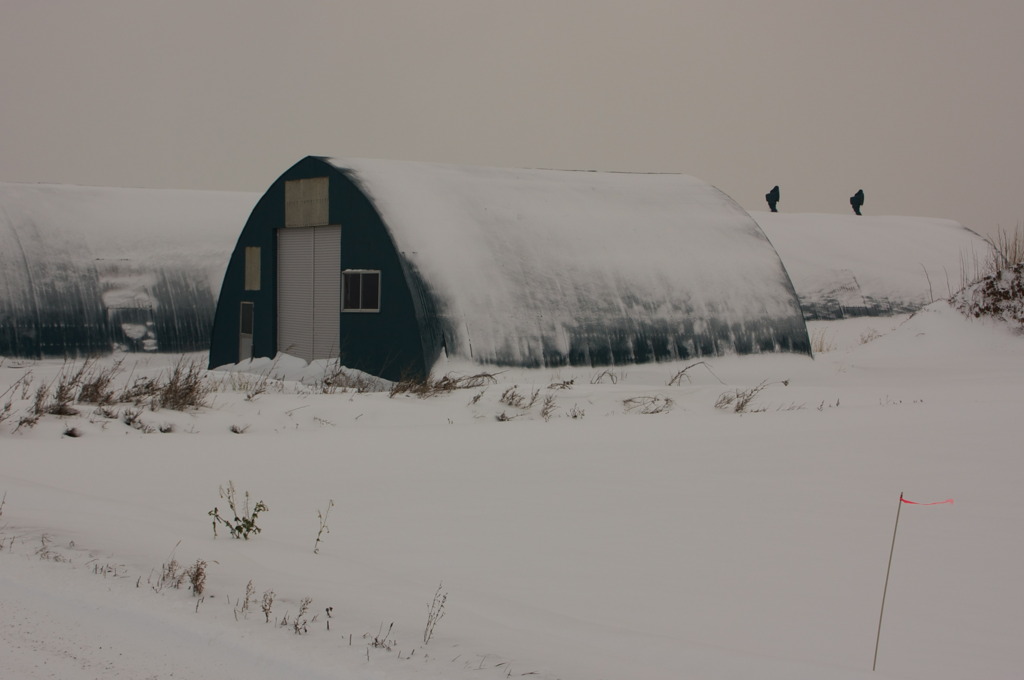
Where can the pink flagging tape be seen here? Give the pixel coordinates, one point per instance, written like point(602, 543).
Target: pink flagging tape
point(948, 500)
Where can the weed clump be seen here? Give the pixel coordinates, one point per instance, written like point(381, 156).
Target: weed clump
point(196, 575)
point(430, 387)
point(648, 405)
point(243, 522)
point(183, 388)
point(739, 401)
point(435, 612)
point(999, 295)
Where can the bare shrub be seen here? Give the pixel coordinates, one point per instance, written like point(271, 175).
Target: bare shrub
point(648, 404)
point(680, 375)
point(250, 595)
point(449, 383)
point(65, 392)
point(39, 401)
point(257, 388)
point(18, 387)
point(382, 640)
point(739, 401)
point(96, 385)
point(324, 529)
point(133, 419)
point(548, 407)
point(185, 387)
point(27, 421)
point(435, 612)
point(36, 411)
point(999, 295)
point(337, 377)
point(267, 604)
point(107, 412)
point(518, 400)
point(299, 623)
point(140, 391)
point(171, 575)
point(1007, 249)
point(196, 575)
point(608, 375)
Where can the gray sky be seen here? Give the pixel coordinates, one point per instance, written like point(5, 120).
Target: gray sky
point(920, 103)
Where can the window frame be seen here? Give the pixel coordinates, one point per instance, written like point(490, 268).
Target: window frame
point(345, 274)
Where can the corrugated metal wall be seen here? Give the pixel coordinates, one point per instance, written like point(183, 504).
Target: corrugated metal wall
point(308, 291)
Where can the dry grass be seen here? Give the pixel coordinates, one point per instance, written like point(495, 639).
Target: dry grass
point(741, 401)
point(821, 342)
point(1006, 250)
point(430, 387)
point(648, 404)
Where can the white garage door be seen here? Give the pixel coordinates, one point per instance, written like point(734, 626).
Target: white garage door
point(308, 291)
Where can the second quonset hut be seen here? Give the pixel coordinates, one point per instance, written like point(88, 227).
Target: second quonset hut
point(389, 266)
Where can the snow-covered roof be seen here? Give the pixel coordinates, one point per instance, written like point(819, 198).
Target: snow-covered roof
point(530, 264)
point(849, 265)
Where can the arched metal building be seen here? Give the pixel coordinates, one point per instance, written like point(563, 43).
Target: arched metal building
point(388, 265)
point(85, 270)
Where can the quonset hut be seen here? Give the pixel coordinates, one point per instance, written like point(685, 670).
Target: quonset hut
point(88, 270)
point(847, 265)
point(389, 265)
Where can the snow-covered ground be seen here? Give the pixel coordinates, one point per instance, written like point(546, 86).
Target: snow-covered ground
point(692, 543)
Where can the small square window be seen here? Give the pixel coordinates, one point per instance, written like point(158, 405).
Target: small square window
point(360, 291)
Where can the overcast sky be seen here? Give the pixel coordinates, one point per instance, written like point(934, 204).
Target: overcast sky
point(920, 103)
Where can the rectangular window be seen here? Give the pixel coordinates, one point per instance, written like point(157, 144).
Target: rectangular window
point(252, 269)
point(360, 291)
point(245, 323)
point(305, 202)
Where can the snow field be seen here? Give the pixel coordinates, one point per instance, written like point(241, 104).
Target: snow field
point(690, 543)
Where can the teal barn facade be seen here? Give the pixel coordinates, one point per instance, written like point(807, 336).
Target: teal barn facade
point(390, 266)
